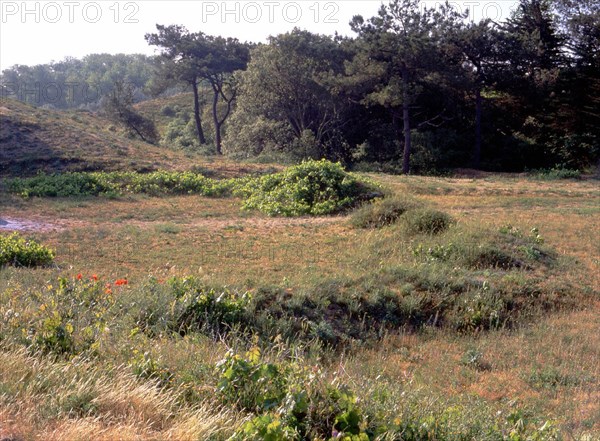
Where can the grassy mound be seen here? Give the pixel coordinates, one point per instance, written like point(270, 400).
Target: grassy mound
point(382, 212)
point(427, 221)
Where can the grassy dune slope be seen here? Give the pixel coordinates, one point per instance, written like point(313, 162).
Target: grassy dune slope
point(35, 139)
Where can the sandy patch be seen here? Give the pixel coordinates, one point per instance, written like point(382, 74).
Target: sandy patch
point(7, 224)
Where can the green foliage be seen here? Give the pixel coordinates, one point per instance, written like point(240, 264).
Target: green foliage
point(286, 102)
point(79, 82)
point(291, 402)
point(382, 212)
point(427, 221)
point(267, 427)
point(114, 183)
point(251, 383)
point(180, 133)
point(554, 174)
point(18, 251)
point(185, 305)
point(60, 185)
point(312, 187)
point(64, 319)
point(144, 365)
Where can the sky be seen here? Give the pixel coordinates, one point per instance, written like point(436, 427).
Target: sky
point(38, 32)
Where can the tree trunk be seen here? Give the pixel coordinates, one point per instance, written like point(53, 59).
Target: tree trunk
point(406, 120)
point(216, 121)
point(477, 147)
point(201, 137)
point(397, 127)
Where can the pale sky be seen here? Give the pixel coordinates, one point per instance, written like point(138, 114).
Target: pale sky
point(37, 32)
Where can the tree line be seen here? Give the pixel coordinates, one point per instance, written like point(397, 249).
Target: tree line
point(415, 89)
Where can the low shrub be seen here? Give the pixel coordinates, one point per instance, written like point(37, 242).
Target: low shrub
point(310, 188)
point(18, 251)
point(209, 311)
point(62, 185)
point(382, 212)
point(65, 318)
point(115, 183)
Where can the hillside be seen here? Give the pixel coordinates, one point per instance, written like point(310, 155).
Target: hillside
point(34, 139)
point(164, 110)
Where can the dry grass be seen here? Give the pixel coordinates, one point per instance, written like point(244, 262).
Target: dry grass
point(78, 400)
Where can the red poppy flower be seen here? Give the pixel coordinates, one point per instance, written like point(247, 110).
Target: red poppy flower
point(79, 276)
point(121, 282)
point(95, 278)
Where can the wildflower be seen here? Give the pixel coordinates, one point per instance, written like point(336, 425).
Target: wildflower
point(95, 278)
point(121, 282)
point(108, 289)
point(79, 276)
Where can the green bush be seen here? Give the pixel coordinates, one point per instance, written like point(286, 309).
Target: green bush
point(251, 383)
point(427, 221)
point(16, 250)
point(381, 212)
point(312, 187)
